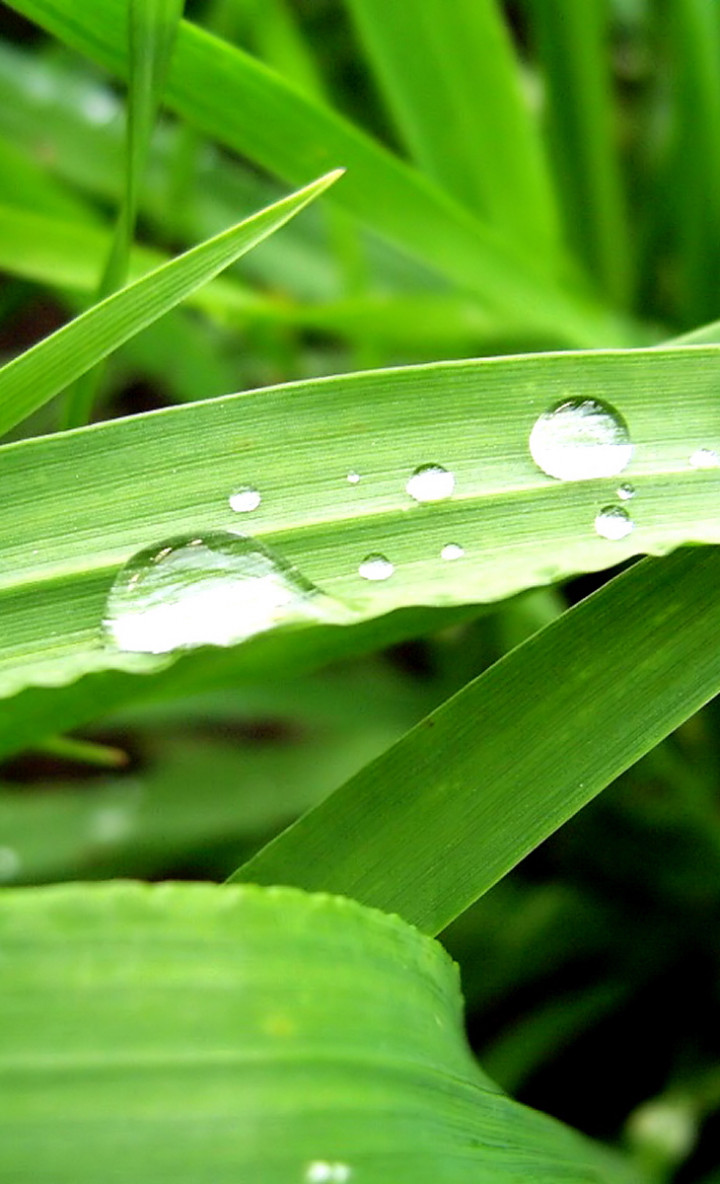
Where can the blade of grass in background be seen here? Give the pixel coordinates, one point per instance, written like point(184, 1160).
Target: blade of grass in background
point(37, 375)
point(152, 28)
point(493, 772)
point(453, 84)
point(692, 39)
point(235, 99)
point(573, 43)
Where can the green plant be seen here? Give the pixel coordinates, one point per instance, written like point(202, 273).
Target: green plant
point(215, 592)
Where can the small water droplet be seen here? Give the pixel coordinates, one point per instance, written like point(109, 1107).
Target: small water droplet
point(216, 590)
point(430, 483)
point(625, 492)
point(613, 522)
point(580, 439)
point(244, 500)
point(322, 1172)
point(353, 478)
point(452, 551)
point(10, 864)
point(704, 458)
point(376, 567)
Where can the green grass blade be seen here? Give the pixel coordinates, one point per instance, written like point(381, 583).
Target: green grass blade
point(160, 1027)
point(452, 81)
point(572, 41)
point(63, 536)
point(33, 378)
point(152, 27)
point(692, 32)
point(498, 768)
point(231, 97)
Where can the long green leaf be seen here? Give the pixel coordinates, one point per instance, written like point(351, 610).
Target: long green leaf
point(235, 99)
point(38, 374)
point(572, 41)
point(78, 505)
point(158, 1031)
point(498, 768)
point(453, 83)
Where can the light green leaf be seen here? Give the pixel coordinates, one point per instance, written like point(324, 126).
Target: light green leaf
point(504, 763)
point(78, 505)
point(158, 1031)
point(33, 378)
point(453, 84)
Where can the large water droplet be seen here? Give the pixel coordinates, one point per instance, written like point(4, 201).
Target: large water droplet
point(353, 478)
point(580, 439)
point(376, 567)
point(10, 864)
point(613, 522)
point(452, 551)
point(704, 458)
point(430, 483)
point(216, 590)
point(244, 500)
point(625, 492)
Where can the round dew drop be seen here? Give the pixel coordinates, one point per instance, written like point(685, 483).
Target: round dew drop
point(452, 551)
point(376, 567)
point(430, 483)
point(614, 523)
point(244, 500)
point(219, 589)
point(353, 478)
point(580, 439)
point(625, 492)
point(704, 458)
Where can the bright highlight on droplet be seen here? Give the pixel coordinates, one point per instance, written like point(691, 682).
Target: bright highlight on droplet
point(244, 500)
point(322, 1172)
point(376, 567)
point(614, 523)
point(353, 478)
point(580, 439)
point(704, 458)
point(218, 589)
point(430, 483)
point(452, 551)
point(625, 492)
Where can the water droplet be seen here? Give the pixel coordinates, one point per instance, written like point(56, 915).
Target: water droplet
point(244, 500)
point(614, 523)
point(704, 458)
point(10, 864)
point(580, 439)
point(322, 1172)
point(625, 492)
point(353, 478)
point(376, 567)
point(452, 551)
point(216, 590)
point(430, 483)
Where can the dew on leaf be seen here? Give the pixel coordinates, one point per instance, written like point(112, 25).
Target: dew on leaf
point(376, 567)
point(218, 589)
point(580, 439)
point(614, 523)
point(430, 483)
point(244, 500)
